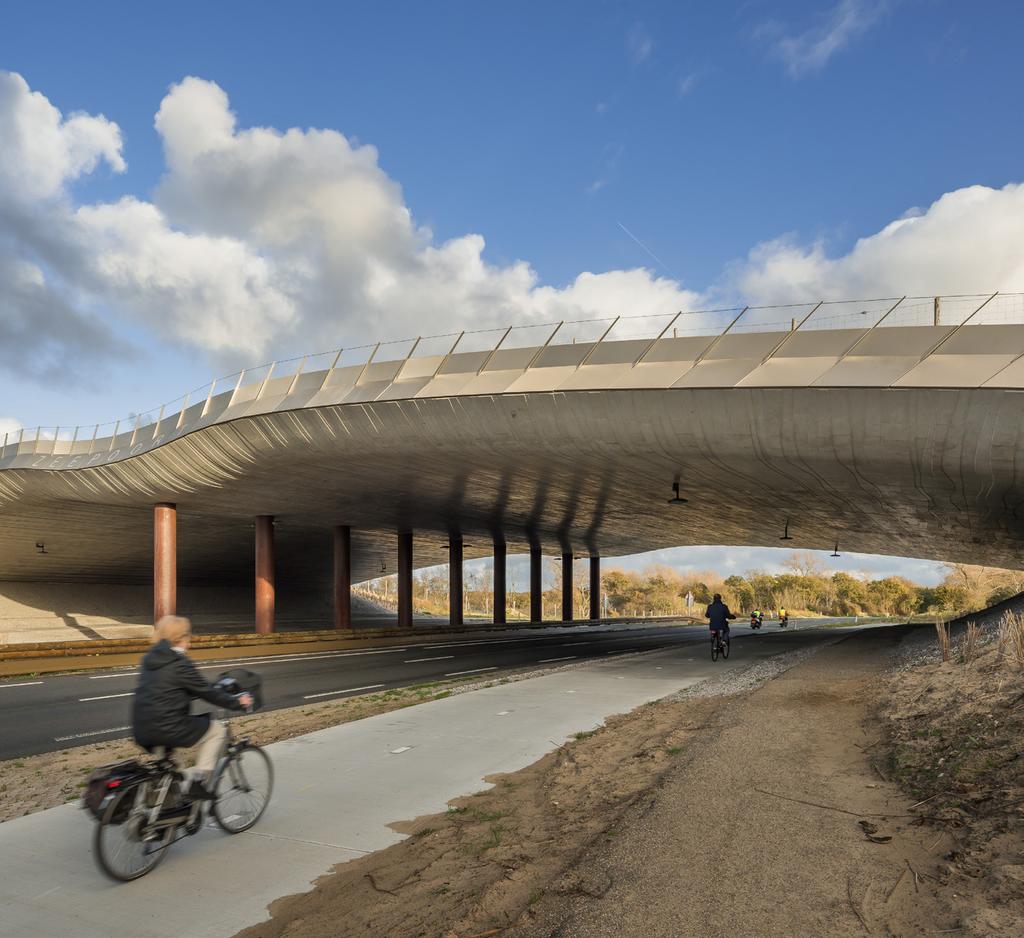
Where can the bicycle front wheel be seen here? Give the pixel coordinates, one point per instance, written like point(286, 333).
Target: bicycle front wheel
point(124, 844)
point(243, 789)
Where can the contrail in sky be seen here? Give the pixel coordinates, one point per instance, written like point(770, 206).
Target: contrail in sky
point(660, 262)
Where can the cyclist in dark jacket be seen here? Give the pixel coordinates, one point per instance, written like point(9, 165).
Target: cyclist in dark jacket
point(719, 615)
point(162, 710)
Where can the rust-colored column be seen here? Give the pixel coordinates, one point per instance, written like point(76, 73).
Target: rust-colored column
point(264, 573)
point(165, 560)
point(342, 577)
point(536, 585)
point(500, 580)
point(595, 588)
point(567, 587)
point(405, 579)
point(455, 594)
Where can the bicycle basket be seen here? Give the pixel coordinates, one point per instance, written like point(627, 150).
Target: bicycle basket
point(239, 681)
point(107, 780)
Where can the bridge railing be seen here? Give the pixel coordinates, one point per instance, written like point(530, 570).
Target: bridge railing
point(688, 335)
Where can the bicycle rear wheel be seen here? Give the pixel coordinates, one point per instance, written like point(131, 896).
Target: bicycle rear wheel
point(725, 648)
point(243, 789)
point(124, 845)
point(714, 647)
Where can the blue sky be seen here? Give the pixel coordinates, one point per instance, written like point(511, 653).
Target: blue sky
point(747, 145)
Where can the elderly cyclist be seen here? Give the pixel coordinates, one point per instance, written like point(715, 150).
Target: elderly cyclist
point(162, 713)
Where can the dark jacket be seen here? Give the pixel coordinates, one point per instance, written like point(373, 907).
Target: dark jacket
point(161, 713)
point(718, 613)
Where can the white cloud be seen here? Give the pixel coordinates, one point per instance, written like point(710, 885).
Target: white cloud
point(639, 44)
point(686, 84)
point(9, 427)
point(257, 242)
point(811, 50)
point(967, 241)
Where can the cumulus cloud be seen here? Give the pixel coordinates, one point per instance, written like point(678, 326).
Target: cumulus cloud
point(8, 427)
point(810, 50)
point(259, 243)
point(256, 242)
point(967, 241)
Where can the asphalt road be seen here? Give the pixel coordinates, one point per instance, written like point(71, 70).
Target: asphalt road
point(55, 712)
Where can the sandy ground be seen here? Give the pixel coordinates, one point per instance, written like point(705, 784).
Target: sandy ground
point(774, 812)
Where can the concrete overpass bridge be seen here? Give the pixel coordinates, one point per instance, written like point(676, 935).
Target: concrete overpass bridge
point(889, 426)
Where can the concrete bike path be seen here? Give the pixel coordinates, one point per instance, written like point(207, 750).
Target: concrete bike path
point(336, 791)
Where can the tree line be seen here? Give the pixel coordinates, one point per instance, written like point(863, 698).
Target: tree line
point(805, 586)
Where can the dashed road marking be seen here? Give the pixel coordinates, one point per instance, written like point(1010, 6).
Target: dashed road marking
point(113, 729)
point(347, 690)
point(549, 660)
point(438, 658)
point(130, 693)
point(400, 750)
point(473, 671)
point(22, 684)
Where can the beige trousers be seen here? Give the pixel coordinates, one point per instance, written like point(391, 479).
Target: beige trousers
point(210, 747)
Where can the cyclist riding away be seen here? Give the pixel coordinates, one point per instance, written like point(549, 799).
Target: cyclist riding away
point(719, 615)
point(161, 714)
point(783, 618)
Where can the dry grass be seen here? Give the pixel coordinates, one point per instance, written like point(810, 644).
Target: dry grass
point(969, 646)
point(942, 630)
point(1010, 640)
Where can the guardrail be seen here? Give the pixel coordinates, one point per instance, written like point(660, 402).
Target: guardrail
point(637, 340)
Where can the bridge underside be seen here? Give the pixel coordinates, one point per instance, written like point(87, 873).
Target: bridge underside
point(922, 472)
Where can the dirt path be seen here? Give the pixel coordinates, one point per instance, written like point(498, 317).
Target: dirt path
point(710, 855)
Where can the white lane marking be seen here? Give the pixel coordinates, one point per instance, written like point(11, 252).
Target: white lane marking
point(400, 750)
point(619, 651)
point(103, 677)
point(130, 693)
point(22, 684)
point(347, 690)
point(549, 660)
point(438, 658)
point(504, 713)
point(571, 644)
point(113, 729)
point(496, 641)
point(284, 659)
point(473, 671)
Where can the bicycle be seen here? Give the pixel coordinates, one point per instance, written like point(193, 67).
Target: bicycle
point(718, 645)
point(143, 811)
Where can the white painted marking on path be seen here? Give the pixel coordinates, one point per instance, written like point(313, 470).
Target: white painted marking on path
point(571, 644)
point(400, 750)
point(438, 658)
point(549, 660)
point(113, 729)
point(504, 713)
point(130, 693)
point(473, 671)
point(347, 690)
point(103, 677)
point(22, 684)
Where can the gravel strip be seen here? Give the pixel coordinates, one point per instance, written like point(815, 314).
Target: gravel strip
point(750, 678)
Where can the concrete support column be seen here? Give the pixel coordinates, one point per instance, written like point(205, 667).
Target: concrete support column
point(595, 588)
point(500, 581)
point(405, 579)
point(455, 595)
point(567, 587)
point(264, 574)
point(165, 560)
point(342, 577)
point(536, 585)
